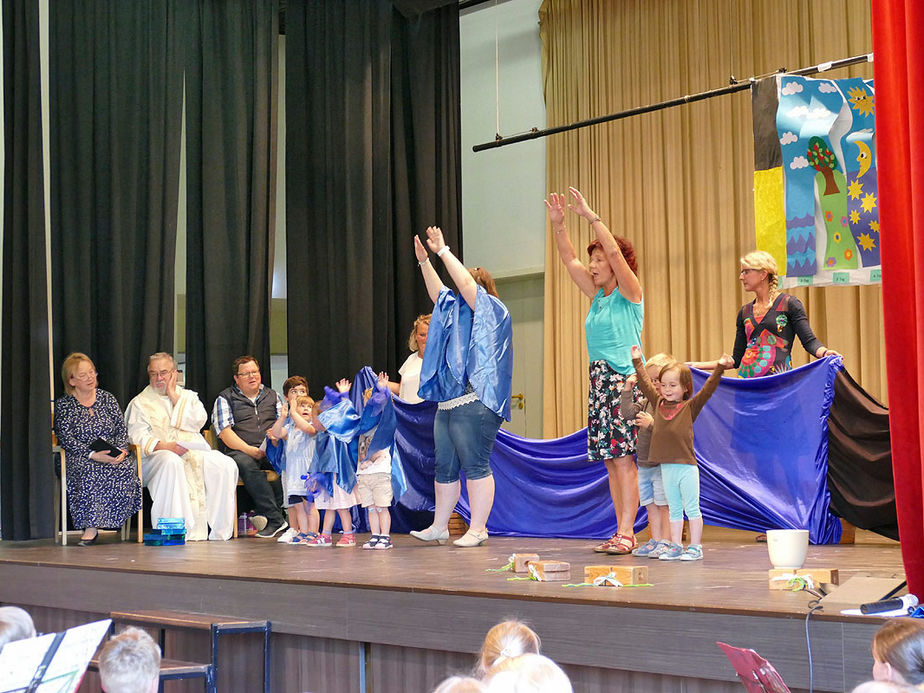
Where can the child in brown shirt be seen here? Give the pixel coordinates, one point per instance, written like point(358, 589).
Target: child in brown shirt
point(672, 446)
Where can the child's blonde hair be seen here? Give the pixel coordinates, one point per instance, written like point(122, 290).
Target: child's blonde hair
point(507, 639)
point(659, 361)
point(304, 401)
point(686, 376)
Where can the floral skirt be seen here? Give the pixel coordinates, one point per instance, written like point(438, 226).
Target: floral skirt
point(608, 435)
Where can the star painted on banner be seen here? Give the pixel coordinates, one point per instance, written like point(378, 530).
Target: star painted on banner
point(866, 241)
point(869, 202)
point(854, 216)
point(874, 226)
point(855, 190)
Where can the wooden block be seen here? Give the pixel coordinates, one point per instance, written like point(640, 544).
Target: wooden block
point(521, 559)
point(626, 574)
point(550, 571)
point(819, 576)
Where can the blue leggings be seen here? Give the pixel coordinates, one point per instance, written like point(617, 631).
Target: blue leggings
point(681, 486)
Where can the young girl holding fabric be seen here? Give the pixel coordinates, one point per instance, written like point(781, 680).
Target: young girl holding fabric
point(672, 445)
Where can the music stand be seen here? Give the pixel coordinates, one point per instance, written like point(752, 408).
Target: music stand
point(756, 673)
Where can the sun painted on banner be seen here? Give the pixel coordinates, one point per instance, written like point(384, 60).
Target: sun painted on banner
point(815, 192)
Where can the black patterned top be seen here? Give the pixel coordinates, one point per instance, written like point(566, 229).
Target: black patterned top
point(764, 347)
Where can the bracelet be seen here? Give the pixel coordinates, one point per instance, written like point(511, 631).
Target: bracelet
point(444, 249)
point(421, 263)
point(594, 220)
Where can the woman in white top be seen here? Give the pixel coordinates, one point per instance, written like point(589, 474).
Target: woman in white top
point(410, 371)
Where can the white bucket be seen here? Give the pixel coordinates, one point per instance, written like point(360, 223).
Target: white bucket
point(787, 548)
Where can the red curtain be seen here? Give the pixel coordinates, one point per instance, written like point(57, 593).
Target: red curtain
point(898, 45)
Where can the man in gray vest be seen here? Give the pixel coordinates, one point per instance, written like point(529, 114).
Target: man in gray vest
point(241, 417)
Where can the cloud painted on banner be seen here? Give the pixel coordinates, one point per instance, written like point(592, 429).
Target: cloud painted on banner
point(809, 113)
point(827, 88)
point(789, 138)
point(798, 162)
point(791, 88)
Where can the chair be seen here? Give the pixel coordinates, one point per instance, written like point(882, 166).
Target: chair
point(271, 475)
point(61, 495)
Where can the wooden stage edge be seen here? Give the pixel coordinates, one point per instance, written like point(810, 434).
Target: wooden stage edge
point(417, 613)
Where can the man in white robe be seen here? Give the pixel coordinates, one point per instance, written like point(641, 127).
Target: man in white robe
point(190, 481)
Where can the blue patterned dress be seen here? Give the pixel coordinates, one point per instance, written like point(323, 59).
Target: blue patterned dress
point(99, 494)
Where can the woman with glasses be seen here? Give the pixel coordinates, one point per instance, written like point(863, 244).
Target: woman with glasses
point(103, 489)
point(768, 325)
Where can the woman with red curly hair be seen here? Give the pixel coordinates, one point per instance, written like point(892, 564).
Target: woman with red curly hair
point(613, 325)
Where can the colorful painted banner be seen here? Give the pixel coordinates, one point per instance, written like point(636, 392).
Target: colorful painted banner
point(815, 195)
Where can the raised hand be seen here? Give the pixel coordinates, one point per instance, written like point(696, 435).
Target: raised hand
point(383, 379)
point(419, 250)
point(726, 361)
point(556, 208)
point(631, 380)
point(636, 352)
point(435, 239)
point(343, 385)
point(580, 205)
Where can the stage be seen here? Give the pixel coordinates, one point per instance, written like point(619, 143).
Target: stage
point(353, 620)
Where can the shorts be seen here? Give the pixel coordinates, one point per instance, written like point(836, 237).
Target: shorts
point(374, 489)
point(296, 500)
point(464, 438)
point(608, 435)
point(650, 486)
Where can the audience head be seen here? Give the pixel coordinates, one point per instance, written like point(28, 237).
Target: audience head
point(130, 663)
point(295, 384)
point(507, 639)
point(625, 247)
point(676, 382)
point(160, 367)
point(15, 624)
point(882, 687)
point(527, 673)
point(246, 371)
point(77, 368)
point(484, 279)
point(418, 339)
point(460, 684)
point(898, 652)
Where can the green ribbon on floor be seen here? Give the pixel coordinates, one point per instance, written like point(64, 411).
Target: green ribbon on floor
point(502, 569)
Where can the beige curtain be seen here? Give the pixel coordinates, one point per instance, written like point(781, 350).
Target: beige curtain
point(679, 183)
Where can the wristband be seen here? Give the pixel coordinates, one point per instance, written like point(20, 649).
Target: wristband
point(421, 263)
point(444, 249)
point(594, 220)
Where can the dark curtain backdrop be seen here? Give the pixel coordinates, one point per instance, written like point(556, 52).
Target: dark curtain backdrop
point(898, 42)
point(372, 156)
point(231, 89)
point(26, 475)
point(116, 100)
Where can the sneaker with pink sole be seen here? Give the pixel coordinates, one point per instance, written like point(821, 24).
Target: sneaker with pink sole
point(346, 540)
point(320, 540)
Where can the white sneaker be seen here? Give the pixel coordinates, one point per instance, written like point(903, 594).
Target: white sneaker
point(287, 536)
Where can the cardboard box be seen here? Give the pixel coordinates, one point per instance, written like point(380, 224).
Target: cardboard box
point(551, 571)
point(521, 559)
point(626, 574)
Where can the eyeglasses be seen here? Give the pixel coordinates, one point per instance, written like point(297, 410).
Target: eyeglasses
point(159, 374)
point(249, 374)
point(89, 375)
point(748, 269)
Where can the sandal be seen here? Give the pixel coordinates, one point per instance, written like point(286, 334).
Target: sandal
point(623, 545)
point(608, 544)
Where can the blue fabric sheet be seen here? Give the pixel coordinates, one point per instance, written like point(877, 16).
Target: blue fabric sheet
point(761, 445)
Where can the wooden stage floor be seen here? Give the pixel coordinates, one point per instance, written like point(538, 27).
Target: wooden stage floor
point(406, 597)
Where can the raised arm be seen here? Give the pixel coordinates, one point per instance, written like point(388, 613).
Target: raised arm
point(579, 274)
point(644, 382)
point(629, 285)
point(462, 278)
point(431, 278)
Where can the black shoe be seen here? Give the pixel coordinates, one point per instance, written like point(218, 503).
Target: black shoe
point(88, 542)
point(272, 530)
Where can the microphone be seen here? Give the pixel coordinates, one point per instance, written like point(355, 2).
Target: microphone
point(908, 602)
